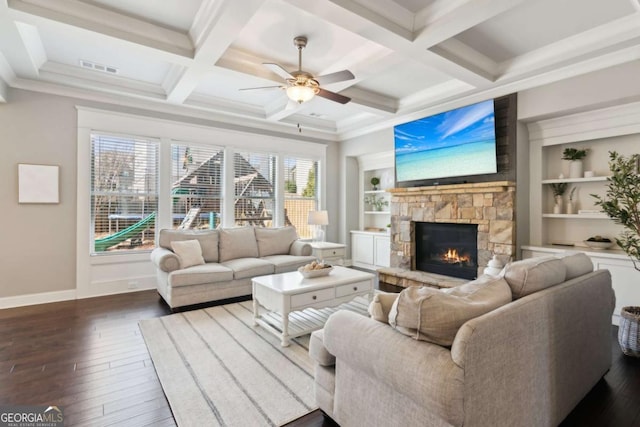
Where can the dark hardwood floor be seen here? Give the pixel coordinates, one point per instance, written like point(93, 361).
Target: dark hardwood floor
point(89, 357)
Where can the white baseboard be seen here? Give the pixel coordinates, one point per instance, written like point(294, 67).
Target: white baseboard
point(96, 289)
point(33, 299)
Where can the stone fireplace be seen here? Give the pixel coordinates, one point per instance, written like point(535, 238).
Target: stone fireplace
point(490, 206)
point(446, 248)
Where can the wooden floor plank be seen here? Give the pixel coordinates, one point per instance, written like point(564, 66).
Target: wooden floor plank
point(89, 357)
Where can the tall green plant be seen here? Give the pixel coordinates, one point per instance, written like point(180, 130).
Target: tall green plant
point(622, 202)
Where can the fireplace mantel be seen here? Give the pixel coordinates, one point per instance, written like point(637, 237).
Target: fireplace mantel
point(491, 205)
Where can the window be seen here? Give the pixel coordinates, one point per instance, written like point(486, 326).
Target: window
point(300, 193)
point(254, 178)
point(196, 186)
point(124, 193)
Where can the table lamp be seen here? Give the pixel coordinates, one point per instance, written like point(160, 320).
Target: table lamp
point(318, 219)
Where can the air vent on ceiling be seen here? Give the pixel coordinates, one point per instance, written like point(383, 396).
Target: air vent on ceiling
point(98, 67)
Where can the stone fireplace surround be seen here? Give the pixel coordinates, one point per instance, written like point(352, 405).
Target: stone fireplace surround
point(491, 205)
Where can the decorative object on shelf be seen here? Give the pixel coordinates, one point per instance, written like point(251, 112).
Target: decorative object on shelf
point(589, 174)
point(558, 190)
point(374, 183)
point(628, 336)
point(494, 266)
point(598, 242)
point(622, 202)
point(570, 206)
point(575, 156)
point(318, 219)
point(377, 203)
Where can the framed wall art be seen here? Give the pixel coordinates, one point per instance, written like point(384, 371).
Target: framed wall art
point(38, 183)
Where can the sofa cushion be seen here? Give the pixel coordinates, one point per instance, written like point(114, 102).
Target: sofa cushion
point(381, 306)
point(238, 243)
point(199, 275)
point(435, 315)
point(576, 263)
point(208, 241)
point(534, 274)
point(275, 241)
point(284, 263)
point(249, 267)
point(189, 252)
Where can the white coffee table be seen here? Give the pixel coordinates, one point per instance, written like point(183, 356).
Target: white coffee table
point(294, 304)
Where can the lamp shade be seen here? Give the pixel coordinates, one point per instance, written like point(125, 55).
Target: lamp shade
point(300, 93)
point(318, 218)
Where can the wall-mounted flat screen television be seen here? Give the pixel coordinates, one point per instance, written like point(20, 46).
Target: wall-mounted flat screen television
point(458, 143)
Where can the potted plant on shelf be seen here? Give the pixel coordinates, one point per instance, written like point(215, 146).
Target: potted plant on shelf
point(558, 190)
point(575, 156)
point(374, 182)
point(376, 202)
point(622, 203)
point(570, 206)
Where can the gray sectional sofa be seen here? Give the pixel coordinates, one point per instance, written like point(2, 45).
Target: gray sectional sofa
point(526, 363)
point(229, 259)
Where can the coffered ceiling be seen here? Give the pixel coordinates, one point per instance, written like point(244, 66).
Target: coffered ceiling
point(410, 58)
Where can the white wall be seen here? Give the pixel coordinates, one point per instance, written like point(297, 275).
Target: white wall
point(38, 250)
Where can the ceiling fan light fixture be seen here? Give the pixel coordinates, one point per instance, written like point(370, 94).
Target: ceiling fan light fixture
point(301, 93)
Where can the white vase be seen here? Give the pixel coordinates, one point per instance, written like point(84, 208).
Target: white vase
point(557, 208)
point(570, 207)
point(575, 169)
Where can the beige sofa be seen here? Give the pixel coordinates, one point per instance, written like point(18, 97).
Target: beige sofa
point(230, 258)
point(526, 363)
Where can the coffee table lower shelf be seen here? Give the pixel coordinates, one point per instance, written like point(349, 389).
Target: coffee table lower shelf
point(310, 319)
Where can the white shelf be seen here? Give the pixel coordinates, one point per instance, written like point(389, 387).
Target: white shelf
point(375, 191)
point(558, 180)
point(376, 212)
point(575, 216)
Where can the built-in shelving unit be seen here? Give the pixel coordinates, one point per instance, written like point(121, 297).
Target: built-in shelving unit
point(371, 243)
point(601, 131)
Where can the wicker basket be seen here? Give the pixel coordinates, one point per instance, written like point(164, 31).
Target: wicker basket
point(628, 336)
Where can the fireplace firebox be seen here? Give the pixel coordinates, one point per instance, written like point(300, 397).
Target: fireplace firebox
point(446, 248)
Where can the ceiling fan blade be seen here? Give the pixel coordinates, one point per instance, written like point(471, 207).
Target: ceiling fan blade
point(278, 70)
point(261, 87)
point(332, 96)
point(338, 76)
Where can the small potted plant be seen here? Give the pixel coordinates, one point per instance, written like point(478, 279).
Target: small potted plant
point(558, 190)
point(374, 182)
point(575, 156)
point(376, 202)
point(570, 205)
point(622, 203)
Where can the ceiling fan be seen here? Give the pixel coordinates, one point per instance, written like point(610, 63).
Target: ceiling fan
point(302, 86)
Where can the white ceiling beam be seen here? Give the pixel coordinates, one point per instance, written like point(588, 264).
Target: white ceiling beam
point(356, 18)
point(429, 31)
point(607, 38)
point(107, 22)
point(217, 27)
point(14, 47)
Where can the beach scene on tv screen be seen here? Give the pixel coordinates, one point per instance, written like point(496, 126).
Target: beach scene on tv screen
point(459, 142)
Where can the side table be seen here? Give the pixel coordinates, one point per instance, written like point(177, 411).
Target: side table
point(333, 253)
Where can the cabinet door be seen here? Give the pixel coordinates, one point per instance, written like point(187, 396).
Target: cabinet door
point(382, 251)
point(362, 248)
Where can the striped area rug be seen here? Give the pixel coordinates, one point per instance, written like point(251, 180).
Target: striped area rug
point(217, 369)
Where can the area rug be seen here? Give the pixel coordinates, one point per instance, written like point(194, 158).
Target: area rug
point(217, 369)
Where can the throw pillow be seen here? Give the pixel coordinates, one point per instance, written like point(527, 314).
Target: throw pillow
point(435, 315)
point(238, 243)
point(275, 241)
point(534, 274)
point(189, 252)
point(381, 306)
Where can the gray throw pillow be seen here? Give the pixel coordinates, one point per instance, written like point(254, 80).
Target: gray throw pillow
point(435, 315)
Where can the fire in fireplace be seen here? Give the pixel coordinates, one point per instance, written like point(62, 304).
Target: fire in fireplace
point(446, 248)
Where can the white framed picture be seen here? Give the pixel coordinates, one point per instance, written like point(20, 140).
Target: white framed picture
point(38, 183)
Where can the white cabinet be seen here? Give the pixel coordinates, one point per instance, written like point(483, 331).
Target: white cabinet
point(370, 250)
point(624, 278)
